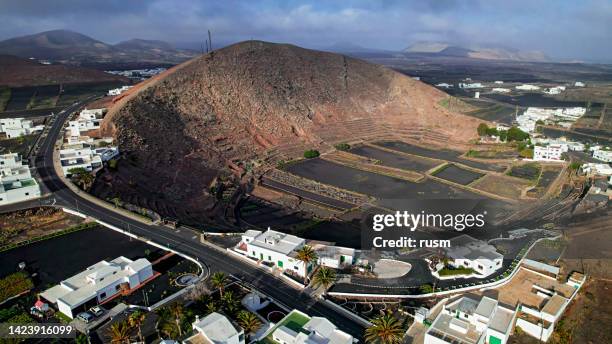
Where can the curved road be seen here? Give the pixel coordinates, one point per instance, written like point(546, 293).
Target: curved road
point(182, 240)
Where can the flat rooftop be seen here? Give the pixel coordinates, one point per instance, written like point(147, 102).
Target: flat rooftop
point(520, 289)
point(441, 328)
point(277, 241)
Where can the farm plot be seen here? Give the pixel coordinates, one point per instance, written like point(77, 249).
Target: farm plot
point(547, 177)
point(391, 192)
point(405, 162)
point(369, 165)
point(20, 98)
point(504, 186)
point(457, 175)
point(5, 96)
point(439, 154)
point(529, 171)
point(492, 112)
point(44, 97)
point(74, 92)
point(21, 145)
point(492, 154)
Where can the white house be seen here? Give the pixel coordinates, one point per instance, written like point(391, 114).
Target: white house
point(555, 90)
point(79, 155)
point(551, 152)
point(472, 320)
point(88, 119)
point(216, 328)
point(477, 255)
point(498, 82)
point(315, 330)
point(500, 90)
point(527, 87)
point(16, 127)
point(16, 182)
point(579, 84)
point(118, 91)
point(444, 85)
point(597, 169)
point(603, 155)
point(575, 146)
point(98, 283)
point(275, 248)
point(471, 85)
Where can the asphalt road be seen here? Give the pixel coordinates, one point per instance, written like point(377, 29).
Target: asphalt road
point(182, 240)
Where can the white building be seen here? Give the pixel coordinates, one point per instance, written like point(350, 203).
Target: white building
point(16, 182)
point(215, 328)
point(576, 146)
point(579, 84)
point(471, 85)
point(477, 95)
point(16, 127)
point(88, 119)
point(555, 90)
point(118, 91)
point(592, 169)
point(316, 330)
point(502, 127)
point(477, 255)
point(98, 283)
point(551, 152)
point(500, 90)
point(472, 320)
point(603, 155)
point(280, 250)
point(80, 155)
point(444, 85)
point(527, 87)
point(498, 82)
point(275, 248)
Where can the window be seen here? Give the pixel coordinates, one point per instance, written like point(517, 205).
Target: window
point(27, 194)
point(102, 295)
point(118, 286)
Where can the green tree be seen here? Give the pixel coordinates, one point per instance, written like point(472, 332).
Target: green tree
point(575, 165)
point(306, 255)
point(324, 277)
point(516, 134)
point(311, 153)
point(81, 177)
point(218, 280)
point(136, 320)
point(385, 329)
point(482, 129)
point(249, 322)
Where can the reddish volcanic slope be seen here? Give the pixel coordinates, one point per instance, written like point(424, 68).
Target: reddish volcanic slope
point(255, 99)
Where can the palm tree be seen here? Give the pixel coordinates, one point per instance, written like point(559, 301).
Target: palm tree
point(219, 279)
point(120, 332)
point(176, 309)
point(385, 329)
point(136, 320)
point(306, 255)
point(230, 304)
point(211, 307)
point(324, 277)
point(82, 177)
point(249, 322)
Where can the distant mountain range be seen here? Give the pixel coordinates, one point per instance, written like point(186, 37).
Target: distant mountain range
point(16, 71)
point(487, 53)
point(73, 48)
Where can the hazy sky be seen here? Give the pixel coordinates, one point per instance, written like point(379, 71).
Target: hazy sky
point(578, 29)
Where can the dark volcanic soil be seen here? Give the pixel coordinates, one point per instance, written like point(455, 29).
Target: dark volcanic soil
point(233, 105)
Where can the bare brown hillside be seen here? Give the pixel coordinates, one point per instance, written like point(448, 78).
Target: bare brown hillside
point(252, 99)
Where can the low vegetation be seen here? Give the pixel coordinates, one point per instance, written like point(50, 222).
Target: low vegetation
point(311, 153)
point(453, 271)
point(513, 134)
point(343, 146)
point(14, 284)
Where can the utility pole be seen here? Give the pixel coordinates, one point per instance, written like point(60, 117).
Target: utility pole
point(210, 40)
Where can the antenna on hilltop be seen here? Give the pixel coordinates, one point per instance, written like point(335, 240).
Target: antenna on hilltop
point(210, 40)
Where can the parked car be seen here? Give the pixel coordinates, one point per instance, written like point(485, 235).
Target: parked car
point(86, 317)
point(96, 310)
